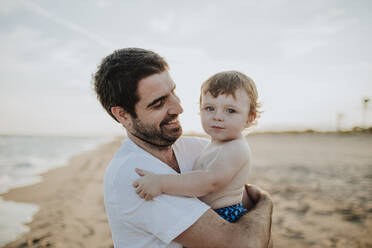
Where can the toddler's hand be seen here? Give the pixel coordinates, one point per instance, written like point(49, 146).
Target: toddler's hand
point(148, 186)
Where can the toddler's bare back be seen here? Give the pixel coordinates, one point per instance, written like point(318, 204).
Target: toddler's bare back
point(231, 193)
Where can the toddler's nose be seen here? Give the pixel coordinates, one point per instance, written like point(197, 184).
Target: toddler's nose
point(218, 117)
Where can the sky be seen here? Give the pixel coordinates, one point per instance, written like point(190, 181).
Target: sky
point(311, 60)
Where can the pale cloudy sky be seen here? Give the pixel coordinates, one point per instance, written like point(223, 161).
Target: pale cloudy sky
point(309, 59)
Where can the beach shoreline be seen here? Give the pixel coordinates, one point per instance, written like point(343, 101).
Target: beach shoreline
point(70, 198)
point(316, 181)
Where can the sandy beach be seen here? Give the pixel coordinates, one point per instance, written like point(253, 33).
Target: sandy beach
point(321, 185)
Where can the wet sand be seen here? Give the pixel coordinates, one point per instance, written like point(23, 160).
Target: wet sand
point(321, 185)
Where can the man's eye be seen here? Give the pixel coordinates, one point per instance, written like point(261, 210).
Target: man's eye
point(209, 108)
point(158, 104)
point(230, 111)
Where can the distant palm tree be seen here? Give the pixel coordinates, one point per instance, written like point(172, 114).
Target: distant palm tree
point(365, 101)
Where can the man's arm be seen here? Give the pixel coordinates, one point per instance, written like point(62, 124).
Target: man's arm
point(253, 230)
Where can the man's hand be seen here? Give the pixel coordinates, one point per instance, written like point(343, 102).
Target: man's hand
point(252, 195)
point(252, 230)
point(148, 186)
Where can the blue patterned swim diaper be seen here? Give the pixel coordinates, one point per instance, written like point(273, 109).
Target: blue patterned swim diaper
point(232, 213)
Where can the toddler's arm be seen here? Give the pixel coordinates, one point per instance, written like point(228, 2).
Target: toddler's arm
point(221, 170)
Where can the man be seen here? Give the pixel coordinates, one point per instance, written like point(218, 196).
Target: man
point(135, 88)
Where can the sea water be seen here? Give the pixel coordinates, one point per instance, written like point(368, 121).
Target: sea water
point(22, 159)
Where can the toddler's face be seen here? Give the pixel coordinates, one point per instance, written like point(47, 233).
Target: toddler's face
point(224, 117)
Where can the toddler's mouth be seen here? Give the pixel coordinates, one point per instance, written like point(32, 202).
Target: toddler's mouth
point(217, 127)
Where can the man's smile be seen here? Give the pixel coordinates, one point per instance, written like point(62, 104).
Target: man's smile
point(172, 123)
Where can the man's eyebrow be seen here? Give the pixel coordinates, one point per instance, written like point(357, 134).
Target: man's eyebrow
point(156, 101)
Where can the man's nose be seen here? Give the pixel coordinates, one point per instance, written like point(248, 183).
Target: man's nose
point(175, 107)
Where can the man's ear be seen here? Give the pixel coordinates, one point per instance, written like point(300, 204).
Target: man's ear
point(251, 118)
point(122, 116)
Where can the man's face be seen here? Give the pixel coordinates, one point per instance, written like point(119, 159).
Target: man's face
point(157, 111)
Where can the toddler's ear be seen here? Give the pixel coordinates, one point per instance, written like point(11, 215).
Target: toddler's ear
point(251, 118)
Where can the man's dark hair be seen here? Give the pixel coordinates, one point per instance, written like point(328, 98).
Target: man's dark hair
point(117, 77)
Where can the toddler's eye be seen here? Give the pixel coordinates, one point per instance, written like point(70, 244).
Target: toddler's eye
point(230, 111)
point(209, 108)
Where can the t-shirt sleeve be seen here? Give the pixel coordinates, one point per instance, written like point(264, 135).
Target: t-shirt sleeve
point(165, 216)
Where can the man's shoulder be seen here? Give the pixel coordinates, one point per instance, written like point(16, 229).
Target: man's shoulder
point(131, 159)
point(124, 162)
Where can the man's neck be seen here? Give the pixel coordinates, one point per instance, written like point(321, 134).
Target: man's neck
point(164, 154)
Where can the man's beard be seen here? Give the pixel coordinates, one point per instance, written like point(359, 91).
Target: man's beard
point(151, 134)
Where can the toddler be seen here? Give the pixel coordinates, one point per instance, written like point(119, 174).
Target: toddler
point(228, 105)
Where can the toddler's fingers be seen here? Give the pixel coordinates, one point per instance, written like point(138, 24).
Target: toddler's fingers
point(135, 184)
point(148, 197)
point(140, 172)
point(142, 194)
point(138, 190)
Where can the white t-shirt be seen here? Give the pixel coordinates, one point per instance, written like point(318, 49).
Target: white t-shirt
point(135, 222)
